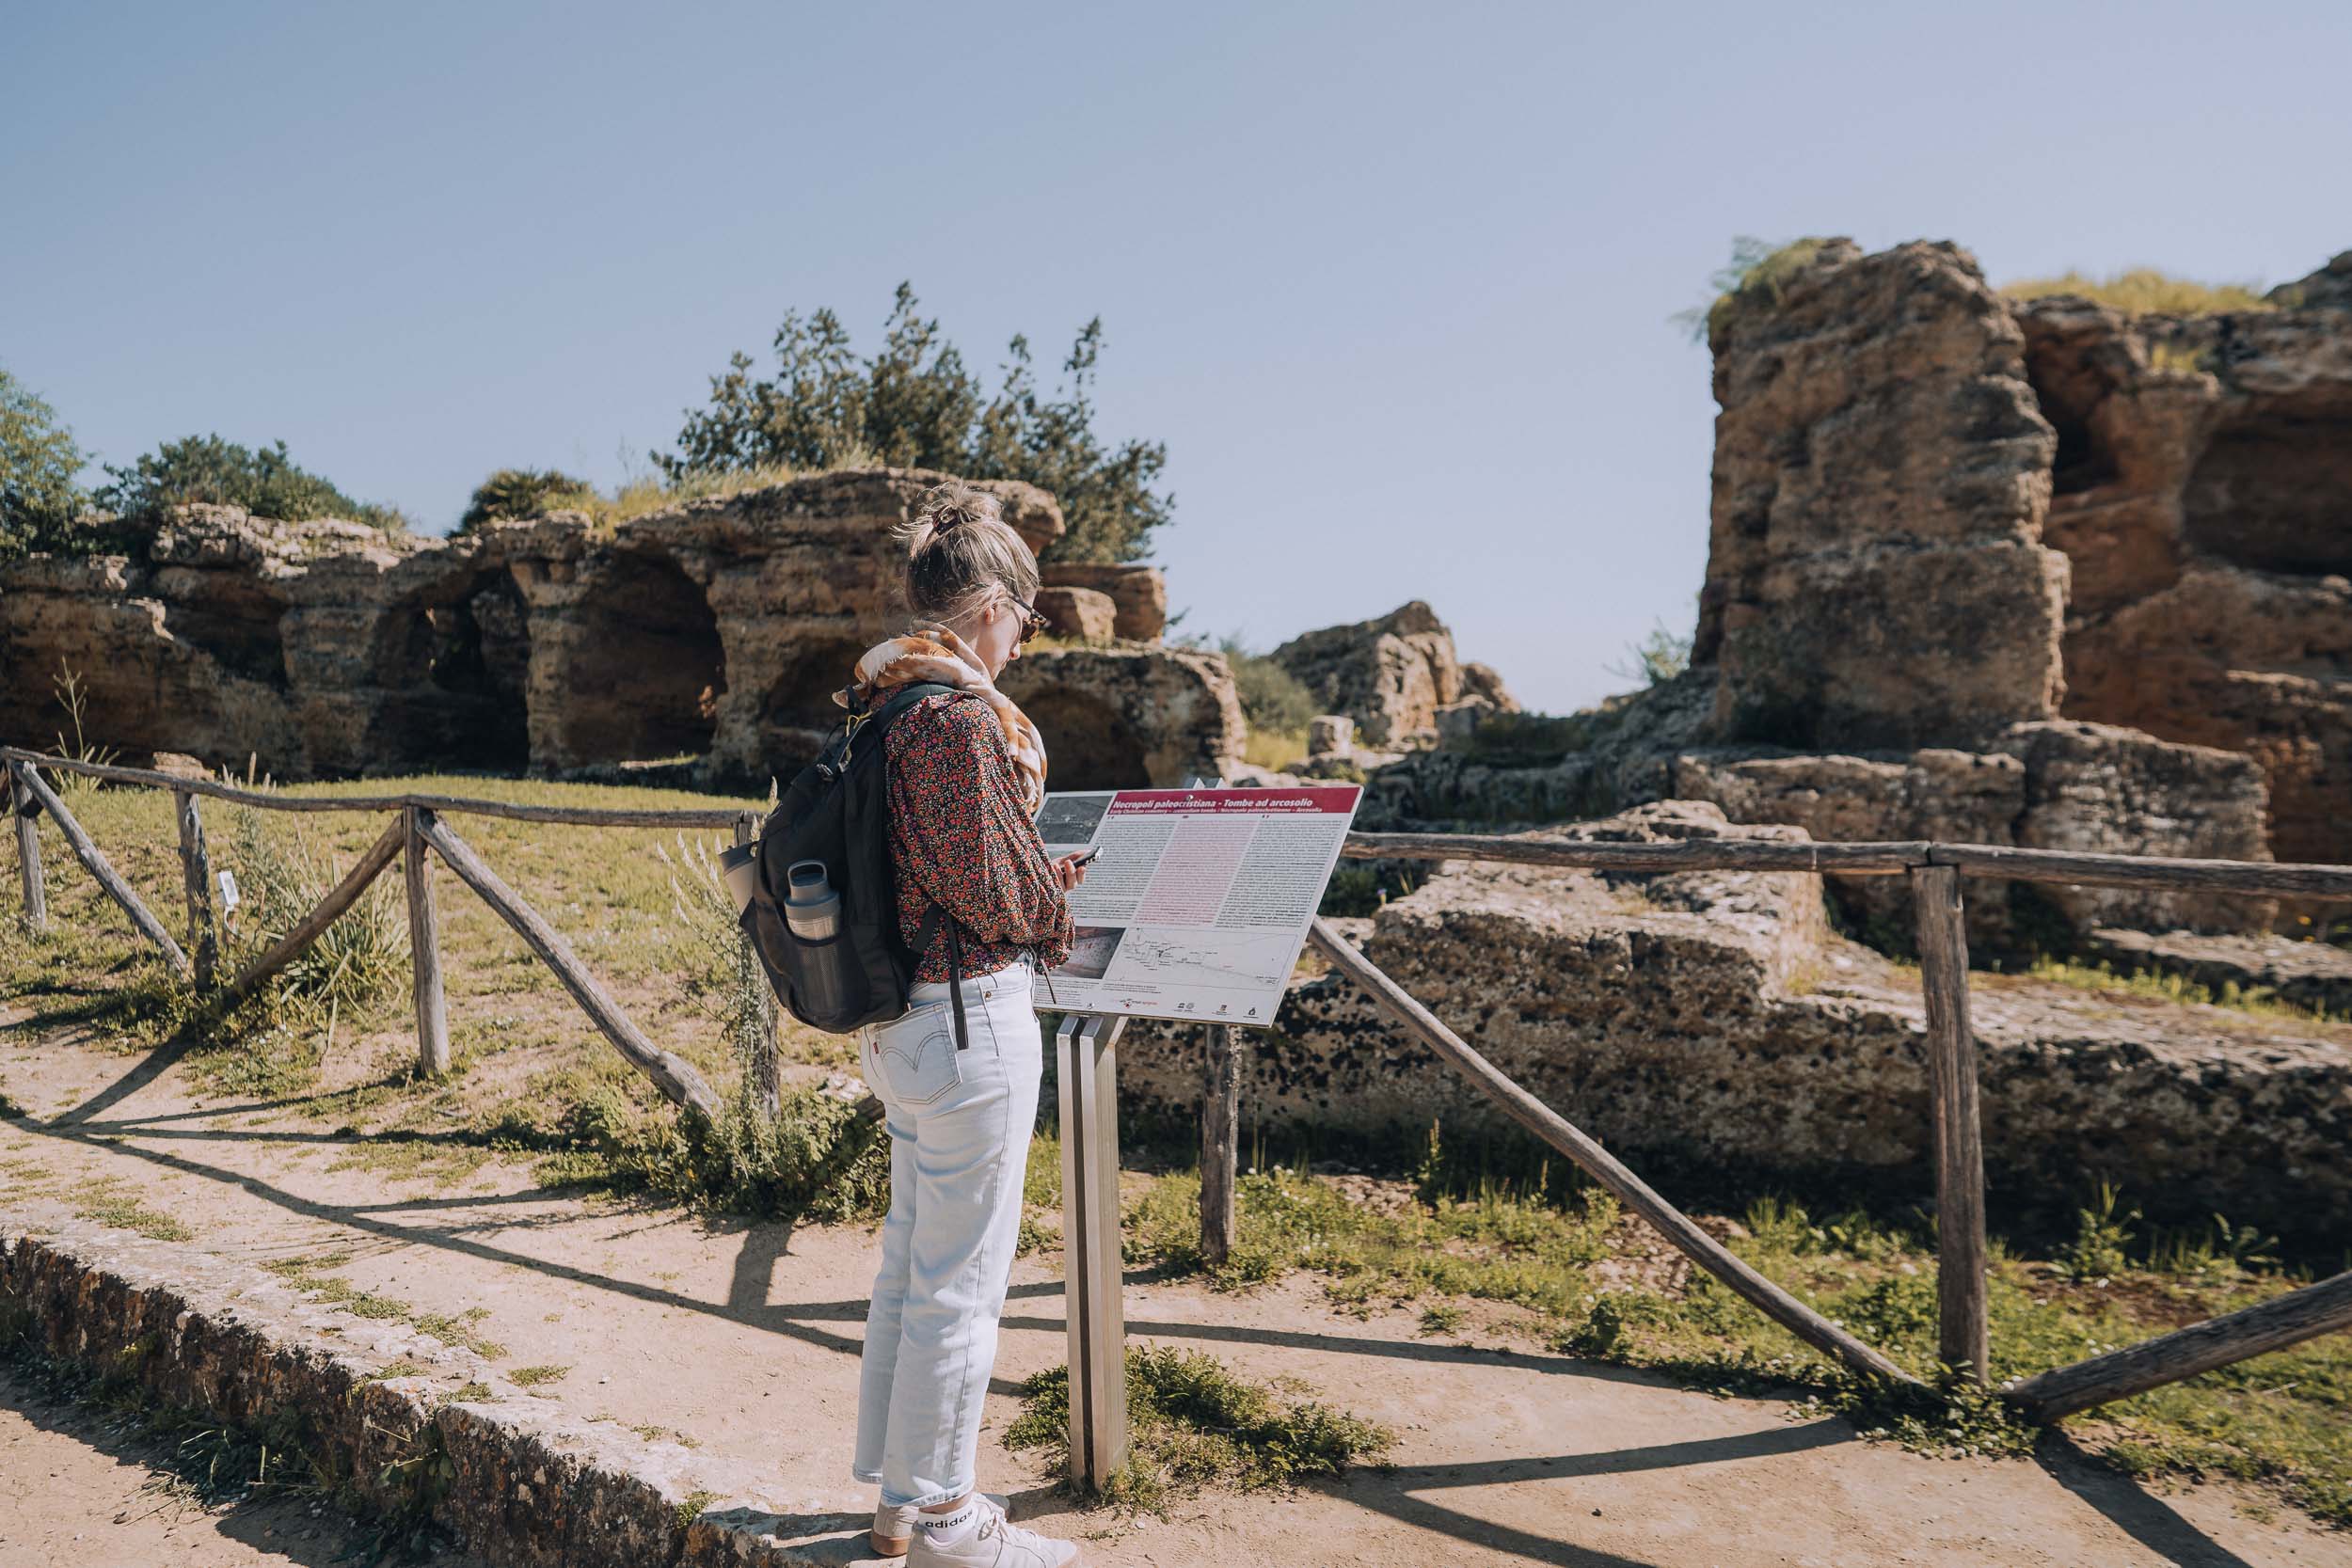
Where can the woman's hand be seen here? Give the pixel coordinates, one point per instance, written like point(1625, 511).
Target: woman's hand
point(1070, 872)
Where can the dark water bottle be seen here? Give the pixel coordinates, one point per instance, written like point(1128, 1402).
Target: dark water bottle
point(811, 911)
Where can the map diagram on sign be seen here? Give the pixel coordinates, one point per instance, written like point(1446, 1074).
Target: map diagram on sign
point(1196, 901)
point(1205, 960)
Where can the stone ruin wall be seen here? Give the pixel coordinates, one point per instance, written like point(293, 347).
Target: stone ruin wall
point(2035, 574)
point(718, 630)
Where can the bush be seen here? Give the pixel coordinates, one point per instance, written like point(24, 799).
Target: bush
point(39, 501)
point(512, 493)
point(2144, 291)
point(818, 1159)
point(913, 405)
point(357, 962)
point(1656, 660)
point(266, 482)
point(1272, 699)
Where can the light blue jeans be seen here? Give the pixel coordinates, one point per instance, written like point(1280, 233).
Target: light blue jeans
point(959, 1123)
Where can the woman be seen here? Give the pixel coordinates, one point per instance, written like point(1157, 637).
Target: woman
point(966, 774)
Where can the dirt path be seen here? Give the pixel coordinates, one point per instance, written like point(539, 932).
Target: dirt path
point(742, 1342)
point(76, 1489)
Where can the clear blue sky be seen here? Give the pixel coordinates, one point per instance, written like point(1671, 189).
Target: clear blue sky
point(1390, 280)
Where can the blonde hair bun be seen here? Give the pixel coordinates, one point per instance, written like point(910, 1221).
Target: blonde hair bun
point(960, 552)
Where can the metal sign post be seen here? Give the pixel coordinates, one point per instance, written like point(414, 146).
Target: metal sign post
point(1086, 1062)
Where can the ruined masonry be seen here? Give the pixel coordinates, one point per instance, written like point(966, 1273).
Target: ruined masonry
point(2001, 572)
point(717, 630)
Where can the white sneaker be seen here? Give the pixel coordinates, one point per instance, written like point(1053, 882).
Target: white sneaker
point(894, 1528)
point(996, 1542)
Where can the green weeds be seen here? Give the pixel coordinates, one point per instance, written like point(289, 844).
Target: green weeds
point(310, 1276)
point(1194, 1423)
point(817, 1159)
point(105, 1202)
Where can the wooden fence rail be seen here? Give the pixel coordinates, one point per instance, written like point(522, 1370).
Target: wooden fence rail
point(1604, 1168)
point(1935, 871)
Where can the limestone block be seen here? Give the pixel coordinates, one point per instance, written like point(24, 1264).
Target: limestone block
point(1140, 593)
point(1082, 613)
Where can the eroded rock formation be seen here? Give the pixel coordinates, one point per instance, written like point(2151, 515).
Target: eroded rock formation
point(1710, 1018)
point(717, 630)
point(2203, 494)
point(1876, 574)
point(1391, 674)
point(1943, 522)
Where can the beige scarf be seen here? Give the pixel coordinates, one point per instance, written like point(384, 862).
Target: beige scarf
point(932, 653)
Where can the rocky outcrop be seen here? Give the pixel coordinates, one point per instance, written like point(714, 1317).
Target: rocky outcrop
point(1710, 1018)
point(2329, 289)
point(1942, 520)
point(2203, 489)
point(1876, 576)
point(1390, 674)
point(718, 630)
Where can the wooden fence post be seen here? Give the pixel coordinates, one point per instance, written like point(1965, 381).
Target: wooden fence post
point(1085, 1054)
point(21, 804)
point(767, 1066)
point(1220, 1134)
point(78, 840)
point(1963, 1342)
point(196, 871)
point(425, 953)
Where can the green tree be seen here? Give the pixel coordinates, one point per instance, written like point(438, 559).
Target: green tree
point(39, 503)
point(914, 404)
point(266, 482)
point(522, 493)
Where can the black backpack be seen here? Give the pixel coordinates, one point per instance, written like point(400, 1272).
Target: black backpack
point(837, 812)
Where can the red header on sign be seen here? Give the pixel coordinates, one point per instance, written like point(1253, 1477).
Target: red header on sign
point(1333, 799)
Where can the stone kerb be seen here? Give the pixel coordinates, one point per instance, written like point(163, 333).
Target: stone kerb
point(514, 1477)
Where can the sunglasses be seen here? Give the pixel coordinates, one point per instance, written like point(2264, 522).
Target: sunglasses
point(1031, 622)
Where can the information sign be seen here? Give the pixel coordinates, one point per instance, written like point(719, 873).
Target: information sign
point(1199, 900)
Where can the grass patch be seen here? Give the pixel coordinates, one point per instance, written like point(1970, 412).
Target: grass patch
point(818, 1159)
point(1758, 270)
point(104, 1202)
point(1444, 1318)
point(1194, 1423)
point(2146, 291)
point(2147, 985)
point(1524, 1242)
point(533, 1377)
point(2278, 1420)
point(1277, 751)
point(310, 1276)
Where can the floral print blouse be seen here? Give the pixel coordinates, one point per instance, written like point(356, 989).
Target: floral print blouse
point(959, 838)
